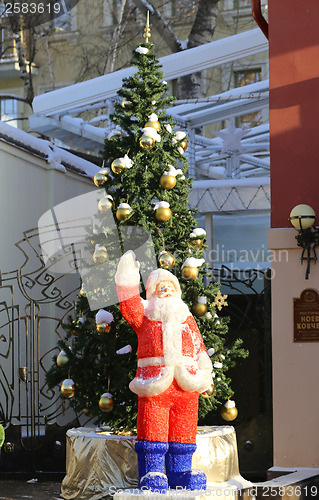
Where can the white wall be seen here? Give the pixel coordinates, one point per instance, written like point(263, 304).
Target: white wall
point(29, 187)
point(295, 365)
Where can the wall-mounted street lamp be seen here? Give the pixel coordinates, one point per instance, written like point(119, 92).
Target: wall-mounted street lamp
point(303, 218)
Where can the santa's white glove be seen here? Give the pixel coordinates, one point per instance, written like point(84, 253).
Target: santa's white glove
point(128, 270)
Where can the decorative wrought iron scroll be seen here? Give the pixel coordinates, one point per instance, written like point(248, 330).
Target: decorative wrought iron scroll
point(33, 304)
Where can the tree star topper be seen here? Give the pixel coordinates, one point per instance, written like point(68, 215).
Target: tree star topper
point(147, 31)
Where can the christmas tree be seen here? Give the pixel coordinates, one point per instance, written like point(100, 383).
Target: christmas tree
point(146, 193)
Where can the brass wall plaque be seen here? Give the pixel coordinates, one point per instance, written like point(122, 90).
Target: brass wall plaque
point(306, 316)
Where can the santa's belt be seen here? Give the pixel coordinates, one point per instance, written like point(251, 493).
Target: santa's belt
point(156, 361)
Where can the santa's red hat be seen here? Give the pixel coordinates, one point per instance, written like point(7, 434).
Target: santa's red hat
point(161, 275)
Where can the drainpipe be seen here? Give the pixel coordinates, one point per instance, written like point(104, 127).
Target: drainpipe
point(259, 18)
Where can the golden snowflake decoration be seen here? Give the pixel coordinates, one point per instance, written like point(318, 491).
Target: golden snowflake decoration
point(220, 301)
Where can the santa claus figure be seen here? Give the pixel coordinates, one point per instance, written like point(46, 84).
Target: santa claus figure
point(173, 369)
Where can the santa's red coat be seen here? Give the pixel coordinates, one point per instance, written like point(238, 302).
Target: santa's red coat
point(191, 370)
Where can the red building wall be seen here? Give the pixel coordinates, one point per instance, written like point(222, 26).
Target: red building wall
point(294, 106)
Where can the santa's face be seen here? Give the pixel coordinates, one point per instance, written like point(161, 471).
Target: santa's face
point(165, 289)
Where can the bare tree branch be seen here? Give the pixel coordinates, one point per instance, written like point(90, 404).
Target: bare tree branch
point(15, 97)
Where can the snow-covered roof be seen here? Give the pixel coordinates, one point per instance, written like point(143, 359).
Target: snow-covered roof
point(99, 90)
point(58, 158)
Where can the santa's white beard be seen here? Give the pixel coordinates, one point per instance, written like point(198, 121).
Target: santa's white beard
point(171, 311)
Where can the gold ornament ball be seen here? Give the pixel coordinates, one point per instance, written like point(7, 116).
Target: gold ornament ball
point(101, 177)
point(67, 388)
point(197, 243)
point(190, 273)
point(163, 214)
point(105, 204)
point(122, 213)
point(229, 414)
point(117, 166)
point(209, 393)
point(147, 142)
point(83, 291)
point(199, 309)
point(106, 403)
point(102, 327)
point(184, 144)
point(166, 260)
point(126, 104)
point(62, 359)
point(100, 256)
point(168, 181)
point(155, 125)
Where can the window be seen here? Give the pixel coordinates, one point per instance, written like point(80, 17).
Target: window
point(8, 111)
point(242, 78)
point(7, 43)
point(240, 241)
point(246, 77)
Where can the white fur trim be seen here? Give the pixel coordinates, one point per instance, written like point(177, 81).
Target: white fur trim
point(153, 474)
point(200, 382)
point(189, 382)
point(155, 385)
point(161, 275)
point(157, 361)
point(204, 361)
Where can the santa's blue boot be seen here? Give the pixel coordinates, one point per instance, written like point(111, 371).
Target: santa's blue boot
point(151, 463)
point(179, 468)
